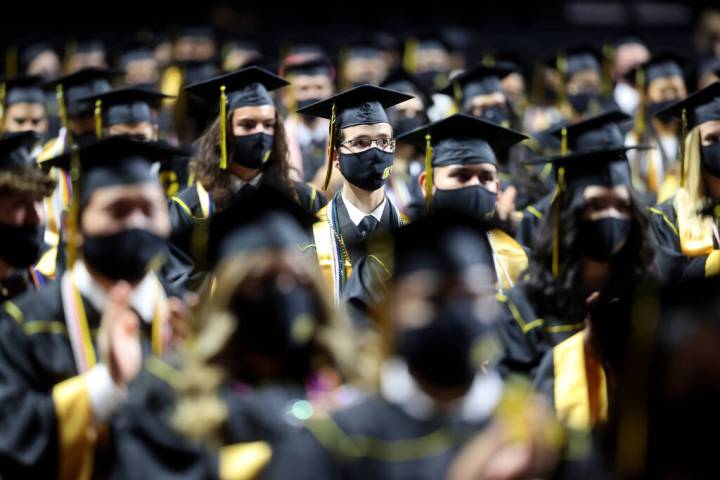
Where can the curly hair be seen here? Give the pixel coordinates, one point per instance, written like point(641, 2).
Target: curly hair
point(206, 164)
point(210, 359)
point(564, 295)
point(28, 181)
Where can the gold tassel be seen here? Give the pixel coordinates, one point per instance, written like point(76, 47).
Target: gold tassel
point(561, 65)
point(563, 142)
point(488, 60)
point(556, 222)
point(410, 55)
point(3, 107)
point(608, 54)
point(61, 106)
point(683, 134)
point(223, 128)
point(457, 95)
point(98, 119)
point(640, 114)
point(331, 148)
point(73, 221)
point(428, 172)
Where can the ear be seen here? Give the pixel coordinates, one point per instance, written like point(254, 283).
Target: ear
point(421, 183)
point(155, 132)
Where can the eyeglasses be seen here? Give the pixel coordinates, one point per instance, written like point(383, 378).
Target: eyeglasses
point(357, 145)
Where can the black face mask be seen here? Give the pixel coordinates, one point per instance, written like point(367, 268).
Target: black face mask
point(125, 255)
point(601, 239)
point(20, 245)
point(441, 352)
point(496, 115)
point(655, 107)
point(307, 102)
point(710, 155)
point(431, 78)
point(474, 201)
point(278, 322)
point(252, 151)
point(367, 170)
point(610, 325)
point(581, 102)
point(138, 137)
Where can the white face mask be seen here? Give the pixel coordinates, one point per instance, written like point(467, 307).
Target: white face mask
point(626, 97)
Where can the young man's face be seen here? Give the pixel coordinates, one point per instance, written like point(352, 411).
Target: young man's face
point(142, 130)
point(21, 211)
point(312, 87)
point(360, 138)
point(453, 177)
point(122, 207)
point(252, 120)
point(23, 117)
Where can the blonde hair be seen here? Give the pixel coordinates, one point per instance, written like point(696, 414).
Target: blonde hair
point(695, 231)
point(200, 413)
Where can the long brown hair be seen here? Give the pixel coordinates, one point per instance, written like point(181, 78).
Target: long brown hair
point(206, 164)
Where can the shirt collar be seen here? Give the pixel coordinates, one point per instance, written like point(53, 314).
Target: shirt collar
point(356, 215)
point(143, 299)
point(236, 183)
point(399, 387)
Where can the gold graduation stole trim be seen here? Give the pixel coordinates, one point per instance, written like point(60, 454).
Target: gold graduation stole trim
point(77, 435)
point(509, 257)
point(712, 264)
point(428, 172)
point(244, 461)
point(98, 119)
point(325, 249)
point(580, 389)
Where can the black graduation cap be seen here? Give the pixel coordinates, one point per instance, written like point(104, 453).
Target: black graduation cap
point(84, 82)
point(604, 166)
point(361, 105)
point(245, 87)
point(15, 150)
point(89, 45)
point(265, 218)
point(663, 65)
point(478, 80)
point(699, 107)
point(366, 45)
point(113, 161)
point(447, 243)
point(136, 51)
point(318, 65)
point(403, 81)
point(127, 105)
point(595, 133)
point(582, 57)
point(24, 89)
point(463, 139)
point(195, 32)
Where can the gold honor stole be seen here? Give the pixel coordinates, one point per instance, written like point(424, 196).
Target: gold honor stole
point(580, 389)
point(509, 258)
point(77, 432)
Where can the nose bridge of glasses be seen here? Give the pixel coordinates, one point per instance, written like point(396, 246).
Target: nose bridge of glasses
point(362, 144)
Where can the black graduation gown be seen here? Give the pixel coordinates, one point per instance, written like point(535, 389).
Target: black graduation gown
point(18, 282)
point(147, 446)
point(527, 334)
point(373, 439)
point(186, 213)
point(532, 218)
point(672, 264)
point(35, 356)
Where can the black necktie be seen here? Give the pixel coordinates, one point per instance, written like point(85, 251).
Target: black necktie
point(367, 225)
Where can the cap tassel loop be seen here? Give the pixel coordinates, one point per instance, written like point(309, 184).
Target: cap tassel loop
point(62, 112)
point(683, 134)
point(98, 119)
point(428, 172)
point(223, 128)
point(563, 142)
point(331, 147)
point(457, 96)
point(556, 222)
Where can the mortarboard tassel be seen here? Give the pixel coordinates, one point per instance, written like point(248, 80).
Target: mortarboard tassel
point(98, 119)
point(331, 148)
point(11, 62)
point(640, 114)
point(74, 208)
point(223, 128)
point(410, 55)
point(3, 91)
point(561, 65)
point(608, 54)
point(428, 172)
point(488, 60)
point(457, 95)
point(563, 142)
point(683, 134)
